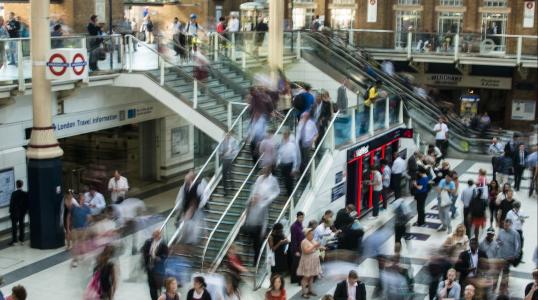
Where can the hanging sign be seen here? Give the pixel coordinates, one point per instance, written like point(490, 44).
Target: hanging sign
point(528, 14)
point(66, 64)
point(372, 11)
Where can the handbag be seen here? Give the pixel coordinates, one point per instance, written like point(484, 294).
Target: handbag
point(93, 288)
point(445, 199)
point(270, 256)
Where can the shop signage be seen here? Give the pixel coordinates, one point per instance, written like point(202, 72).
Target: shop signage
point(455, 80)
point(66, 64)
point(528, 14)
point(338, 177)
point(338, 191)
point(372, 11)
point(364, 148)
point(523, 110)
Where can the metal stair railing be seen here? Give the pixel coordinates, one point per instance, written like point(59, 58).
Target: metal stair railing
point(262, 269)
point(235, 230)
point(236, 131)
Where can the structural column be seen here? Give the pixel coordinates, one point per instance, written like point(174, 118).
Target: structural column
point(44, 152)
point(276, 34)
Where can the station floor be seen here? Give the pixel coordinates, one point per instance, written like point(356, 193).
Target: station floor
point(48, 275)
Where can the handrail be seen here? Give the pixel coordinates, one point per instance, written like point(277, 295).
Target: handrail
point(78, 36)
point(395, 84)
point(239, 191)
point(215, 151)
point(291, 197)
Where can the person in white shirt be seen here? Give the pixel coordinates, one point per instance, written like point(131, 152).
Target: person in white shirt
point(95, 201)
point(377, 186)
point(307, 132)
point(441, 136)
point(518, 218)
point(118, 187)
point(288, 160)
point(398, 169)
point(265, 190)
point(233, 24)
point(322, 232)
point(385, 168)
point(495, 149)
point(267, 150)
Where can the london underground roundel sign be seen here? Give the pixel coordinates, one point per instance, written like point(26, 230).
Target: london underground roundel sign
point(78, 64)
point(57, 64)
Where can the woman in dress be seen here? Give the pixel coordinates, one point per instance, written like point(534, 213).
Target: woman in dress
point(69, 202)
point(198, 292)
point(170, 284)
point(277, 242)
point(493, 190)
point(276, 290)
point(309, 265)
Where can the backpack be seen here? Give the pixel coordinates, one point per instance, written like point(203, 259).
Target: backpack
point(478, 206)
point(299, 101)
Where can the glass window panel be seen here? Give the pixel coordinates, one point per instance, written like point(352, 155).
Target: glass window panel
point(406, 21)
point(495, 3)
point(493, 27)
point(451, 2)
point(408, 2)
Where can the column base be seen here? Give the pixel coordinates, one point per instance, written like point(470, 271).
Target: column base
point(45, 201)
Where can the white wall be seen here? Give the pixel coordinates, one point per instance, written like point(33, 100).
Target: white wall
point(304, 71)
point(172, 164)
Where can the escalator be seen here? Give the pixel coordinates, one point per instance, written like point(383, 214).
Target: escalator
point(345, 59)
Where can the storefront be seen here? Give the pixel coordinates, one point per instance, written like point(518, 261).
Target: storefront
point(343, 14)
point(303, 12)
point(362, 158)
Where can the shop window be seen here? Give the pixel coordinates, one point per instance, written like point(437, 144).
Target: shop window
point(493, 31)
point(406, 21)
point(344, 2)
point(495, 3)
point(302, 17)
point(449, 22)
point(342, 18)
point(408, 2)
point(451, 2)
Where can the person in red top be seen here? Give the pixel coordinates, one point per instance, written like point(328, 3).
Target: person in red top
point(221, 26)
point(276, 290)
point(235, 265)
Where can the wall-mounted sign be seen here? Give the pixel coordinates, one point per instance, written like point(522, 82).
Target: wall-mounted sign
point(362, 150)
point(456, 80)
point(338, 191)
point(372, 11)
point(180, 140)
point(65, 64)
point(338, 177)
point(7, 185)
point(365, 147)
point(523, 110)
point(528, 14)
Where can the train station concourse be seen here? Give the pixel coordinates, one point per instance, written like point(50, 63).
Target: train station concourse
point(272, 150)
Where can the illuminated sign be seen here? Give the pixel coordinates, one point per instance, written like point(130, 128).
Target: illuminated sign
point(362, 150)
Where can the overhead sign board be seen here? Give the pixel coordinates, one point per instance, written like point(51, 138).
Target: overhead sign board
point(66, 64)
point(457, 80)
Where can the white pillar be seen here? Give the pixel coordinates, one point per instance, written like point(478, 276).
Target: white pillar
point(400, 112)
point(276, 34)
point(519, 49)
point(43, 143)
point(387, 112)
point(409, 47)
point(371, 120)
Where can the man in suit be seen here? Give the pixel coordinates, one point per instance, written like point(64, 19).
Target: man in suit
point(520, 156)
point(470, 262)
point(155, 252)
point(18, 206)
point(351, 288)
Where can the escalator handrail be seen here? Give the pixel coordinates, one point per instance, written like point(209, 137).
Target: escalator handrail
point(453, 132)
point(397, 81)
point(291, 197)
point(239, 191)
point(200, 172)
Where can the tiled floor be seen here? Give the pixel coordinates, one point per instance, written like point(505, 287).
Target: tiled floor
point(59, 281)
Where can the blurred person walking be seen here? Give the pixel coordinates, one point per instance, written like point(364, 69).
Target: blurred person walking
point(228, 150)
point(325, 115)
point(397, 171)
point(67, 217)
point(3, 35)
point(94, 43)
point(154, 253)
point(256, 133)
point(377, 187)
point(294, 250)
point(477, 211)
point(80, 217)
point(509, 248)
point(341, 98)
point(288, 160)
point(94, 200)
point(351, 288)
point(445, 190)
point(18, 207)
point(386, 172)
point(265, 190)
point(505, 167)
point(104, 282)
point(306, 135)
point(309, 264)
point(471, 262)
point(278, 244)
point(267, 150)
point(13, 27)
point(118, 187)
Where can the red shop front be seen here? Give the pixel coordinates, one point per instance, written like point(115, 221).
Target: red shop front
point(362, 158)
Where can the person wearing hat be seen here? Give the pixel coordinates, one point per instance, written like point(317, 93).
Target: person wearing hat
point(489, 245)
point(191, 31)
point(198, 291)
